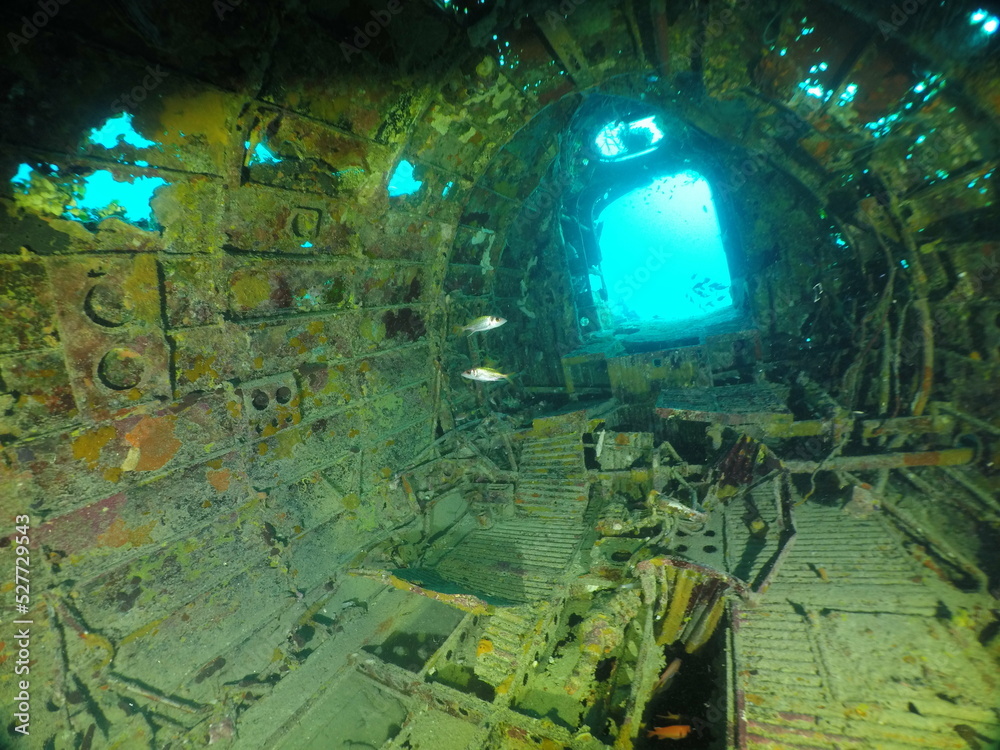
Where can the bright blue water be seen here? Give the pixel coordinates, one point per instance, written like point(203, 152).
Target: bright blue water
point(662, 252)
point(100, 190)
point(402, 181)
point(119, 129)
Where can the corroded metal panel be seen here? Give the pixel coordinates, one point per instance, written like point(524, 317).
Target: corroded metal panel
point(111, 326)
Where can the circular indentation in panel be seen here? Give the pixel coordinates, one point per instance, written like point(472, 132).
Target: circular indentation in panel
point(283, 395)
point(121, 369)
point(621, 556)
point(105, 305)
point(681, 548)
point(305, 222)
point(259, 399)
point(709, 533)
point(710, 548)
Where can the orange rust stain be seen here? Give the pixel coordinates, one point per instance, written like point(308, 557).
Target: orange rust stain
point(113, 474)
point(87, 447)
point(118, 535)
point(220, 479)
point(316, 327)
point(154, 437)
point(215, 463)
point(364, 367)
point(353, 433)
point(621, 439)
point(485, 647)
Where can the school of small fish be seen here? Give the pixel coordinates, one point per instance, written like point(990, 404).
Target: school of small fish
point(706, 294)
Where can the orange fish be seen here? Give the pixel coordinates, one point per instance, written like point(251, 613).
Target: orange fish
point(676, 732)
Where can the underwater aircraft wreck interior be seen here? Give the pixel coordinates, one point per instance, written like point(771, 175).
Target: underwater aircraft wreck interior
point(720, 472)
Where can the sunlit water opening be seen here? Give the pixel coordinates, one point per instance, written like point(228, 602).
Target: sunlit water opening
point(402, 181)
point(662, 252)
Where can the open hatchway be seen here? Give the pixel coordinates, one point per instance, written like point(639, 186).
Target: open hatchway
point(652, 247)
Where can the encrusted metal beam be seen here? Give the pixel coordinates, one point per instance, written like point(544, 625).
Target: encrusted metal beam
point(949, 457)
point(562, 42)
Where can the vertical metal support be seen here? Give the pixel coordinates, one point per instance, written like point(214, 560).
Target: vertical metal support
point(556, 33)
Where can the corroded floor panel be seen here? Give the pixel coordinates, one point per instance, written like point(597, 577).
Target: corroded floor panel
point(853, 648)
point(524, 558)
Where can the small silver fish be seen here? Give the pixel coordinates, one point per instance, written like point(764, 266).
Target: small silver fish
point(484, 374)
point(483, 323)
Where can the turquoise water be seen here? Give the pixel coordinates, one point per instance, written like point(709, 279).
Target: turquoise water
point(662, 252)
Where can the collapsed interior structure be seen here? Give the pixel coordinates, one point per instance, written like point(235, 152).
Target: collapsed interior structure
point(261, 506)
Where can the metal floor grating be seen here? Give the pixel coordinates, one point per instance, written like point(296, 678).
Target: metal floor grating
point(847, 651)
point(524, 559)
point(507, 632)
